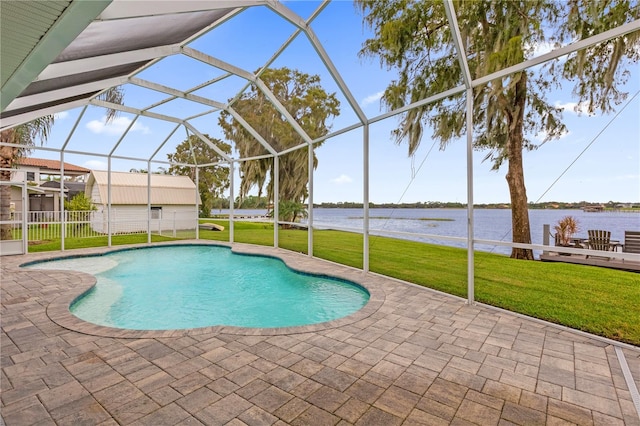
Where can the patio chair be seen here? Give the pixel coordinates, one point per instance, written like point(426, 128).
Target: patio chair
point(599, 240)
point(631, 242)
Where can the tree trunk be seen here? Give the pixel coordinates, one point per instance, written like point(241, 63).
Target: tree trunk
point(515, 175)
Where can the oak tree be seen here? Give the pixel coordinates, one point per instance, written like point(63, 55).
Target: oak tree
point(415, 38)
point(310, 106)
point(213, 180)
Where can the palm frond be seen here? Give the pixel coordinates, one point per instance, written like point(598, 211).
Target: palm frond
point(114, 95)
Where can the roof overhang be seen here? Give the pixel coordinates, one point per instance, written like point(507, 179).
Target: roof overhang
point(34, 34)
point(92, 46)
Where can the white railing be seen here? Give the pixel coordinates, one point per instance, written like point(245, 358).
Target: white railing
point(48, 226)
point(125, 221)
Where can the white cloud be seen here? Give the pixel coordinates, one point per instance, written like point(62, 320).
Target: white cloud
point(630, 177)
point(117, 126)
point(539, 49)
point(61, 115)
point(341, 180)
point(372, 98)
point(574, 107)
point(95, 165)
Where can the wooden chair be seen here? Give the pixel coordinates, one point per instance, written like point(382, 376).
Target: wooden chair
point(599, 240)
point(631, 242)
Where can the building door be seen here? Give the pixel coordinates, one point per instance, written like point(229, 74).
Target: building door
point(13, 219)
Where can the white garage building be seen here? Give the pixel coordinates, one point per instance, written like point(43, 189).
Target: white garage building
point(173, 205)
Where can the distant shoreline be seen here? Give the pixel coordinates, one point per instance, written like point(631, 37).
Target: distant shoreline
point(258, 203)
point(437, 219)
point(616, 206)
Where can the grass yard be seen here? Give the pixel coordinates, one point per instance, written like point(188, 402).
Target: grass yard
point(598, 300)
point(102, 241)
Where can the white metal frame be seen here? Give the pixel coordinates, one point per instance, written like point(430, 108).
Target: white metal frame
point(12, 247)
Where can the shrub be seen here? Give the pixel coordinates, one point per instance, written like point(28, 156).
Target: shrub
point(566, 227)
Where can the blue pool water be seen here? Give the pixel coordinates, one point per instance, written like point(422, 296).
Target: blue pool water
point(178, 287)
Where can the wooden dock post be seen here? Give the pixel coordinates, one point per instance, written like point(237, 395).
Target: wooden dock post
point(546, 231)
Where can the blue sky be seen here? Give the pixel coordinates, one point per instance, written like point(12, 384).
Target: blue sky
point(608, 170)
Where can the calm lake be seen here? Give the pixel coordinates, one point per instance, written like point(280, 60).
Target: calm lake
point(490, 224)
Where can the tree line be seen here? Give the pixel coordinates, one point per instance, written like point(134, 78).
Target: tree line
point(557, 205)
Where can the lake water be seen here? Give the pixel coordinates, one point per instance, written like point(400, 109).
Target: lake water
point(489, 224)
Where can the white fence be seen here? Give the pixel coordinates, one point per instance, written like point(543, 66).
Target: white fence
point(47, 226)
point(133, 221)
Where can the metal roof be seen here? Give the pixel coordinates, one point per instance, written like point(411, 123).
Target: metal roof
point(131, 188)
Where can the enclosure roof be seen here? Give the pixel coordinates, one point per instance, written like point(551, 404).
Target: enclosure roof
point(131, 188)
point(59, 55)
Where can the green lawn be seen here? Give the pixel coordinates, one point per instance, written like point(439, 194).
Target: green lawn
point(598, 300)
point(102, 241)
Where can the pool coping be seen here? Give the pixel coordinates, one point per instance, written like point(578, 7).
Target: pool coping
point(58, 310)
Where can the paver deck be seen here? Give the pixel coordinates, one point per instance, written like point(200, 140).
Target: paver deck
point(411, 356)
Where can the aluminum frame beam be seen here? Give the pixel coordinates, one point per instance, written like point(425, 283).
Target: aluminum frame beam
point(68, 92)
point(124, 134)
point(215, 62)
point(210, 60)
point(136, 111)
point(557, 53)
point(73, 130)
point(60, 69)
point(290, 16)
point(164, 142)
point(251, 131)
point(174, 92)
point(466, 75)
point(457, 42)
point(124, 10)
point(18, 119)
point(207, 141)
point(282, 110)
point(191, 90)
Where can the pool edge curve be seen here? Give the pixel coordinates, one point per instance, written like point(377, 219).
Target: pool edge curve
point(59, 312)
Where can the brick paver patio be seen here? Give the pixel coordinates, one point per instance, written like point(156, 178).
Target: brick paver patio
point(411, 356)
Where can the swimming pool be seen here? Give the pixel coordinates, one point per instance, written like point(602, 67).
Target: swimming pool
point(193, 286)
